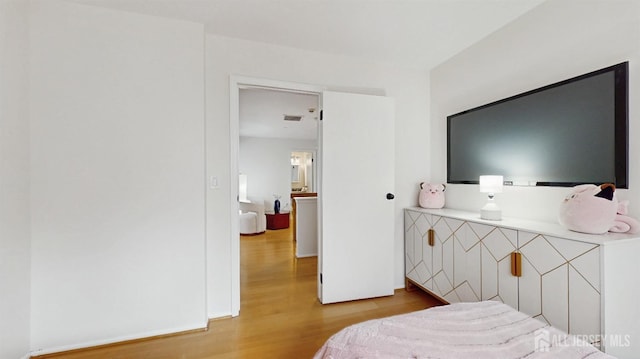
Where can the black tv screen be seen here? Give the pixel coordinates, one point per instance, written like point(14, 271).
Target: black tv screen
point(568, 133)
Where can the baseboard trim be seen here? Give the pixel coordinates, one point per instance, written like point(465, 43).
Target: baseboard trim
point(251, 234)
point(55, 352)
point(229, 316)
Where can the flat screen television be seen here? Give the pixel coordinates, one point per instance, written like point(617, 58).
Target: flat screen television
point(564, 134)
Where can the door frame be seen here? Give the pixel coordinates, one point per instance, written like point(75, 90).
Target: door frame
point(236, 83)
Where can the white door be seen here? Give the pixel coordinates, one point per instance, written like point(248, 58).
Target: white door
point(356, 234)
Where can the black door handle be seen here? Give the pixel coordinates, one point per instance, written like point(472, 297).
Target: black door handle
point(390, 196)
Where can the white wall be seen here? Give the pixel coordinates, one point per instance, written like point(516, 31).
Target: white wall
point(267, 164)
point(15, 258)
point(117, 176)
point(227, 57)
point(555, 41)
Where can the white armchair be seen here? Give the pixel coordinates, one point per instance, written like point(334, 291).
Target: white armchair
point(252, 218)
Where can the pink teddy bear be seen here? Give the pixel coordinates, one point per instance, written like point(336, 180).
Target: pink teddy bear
point(431, 195)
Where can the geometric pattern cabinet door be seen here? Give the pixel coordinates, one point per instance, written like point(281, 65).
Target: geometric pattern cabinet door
point(418, 252)
point(429, 252)
point(498, 282)
point(560, 282)
point(468, 263)
point(585, 293)
point(442, 250)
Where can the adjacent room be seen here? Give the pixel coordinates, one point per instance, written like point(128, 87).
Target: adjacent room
point(142, 141)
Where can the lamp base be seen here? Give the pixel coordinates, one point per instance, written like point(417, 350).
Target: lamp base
point(491, 212)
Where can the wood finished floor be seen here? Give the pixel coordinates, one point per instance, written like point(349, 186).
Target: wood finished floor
point(280, 316)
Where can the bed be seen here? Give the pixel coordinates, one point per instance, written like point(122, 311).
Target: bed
point(479, 330)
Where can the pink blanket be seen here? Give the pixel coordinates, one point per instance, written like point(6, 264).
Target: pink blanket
point(463, 330)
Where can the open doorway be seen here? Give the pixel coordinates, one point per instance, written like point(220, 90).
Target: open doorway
point(272, 123)
point(369, 258)
point(278, 133)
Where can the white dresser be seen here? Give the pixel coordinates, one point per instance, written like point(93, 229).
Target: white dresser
point(583, 284)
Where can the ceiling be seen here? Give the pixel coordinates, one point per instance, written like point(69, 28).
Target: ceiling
point(262, 114)
point(417, 34)
point(410, 33)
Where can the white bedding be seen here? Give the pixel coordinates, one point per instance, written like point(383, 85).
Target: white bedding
point(463, 330)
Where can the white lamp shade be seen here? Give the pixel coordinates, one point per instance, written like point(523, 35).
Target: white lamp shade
point(491, 184)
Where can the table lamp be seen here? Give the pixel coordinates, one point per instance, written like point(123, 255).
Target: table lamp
point(491, 185)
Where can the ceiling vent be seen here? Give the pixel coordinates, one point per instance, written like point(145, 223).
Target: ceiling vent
point(292, 118)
